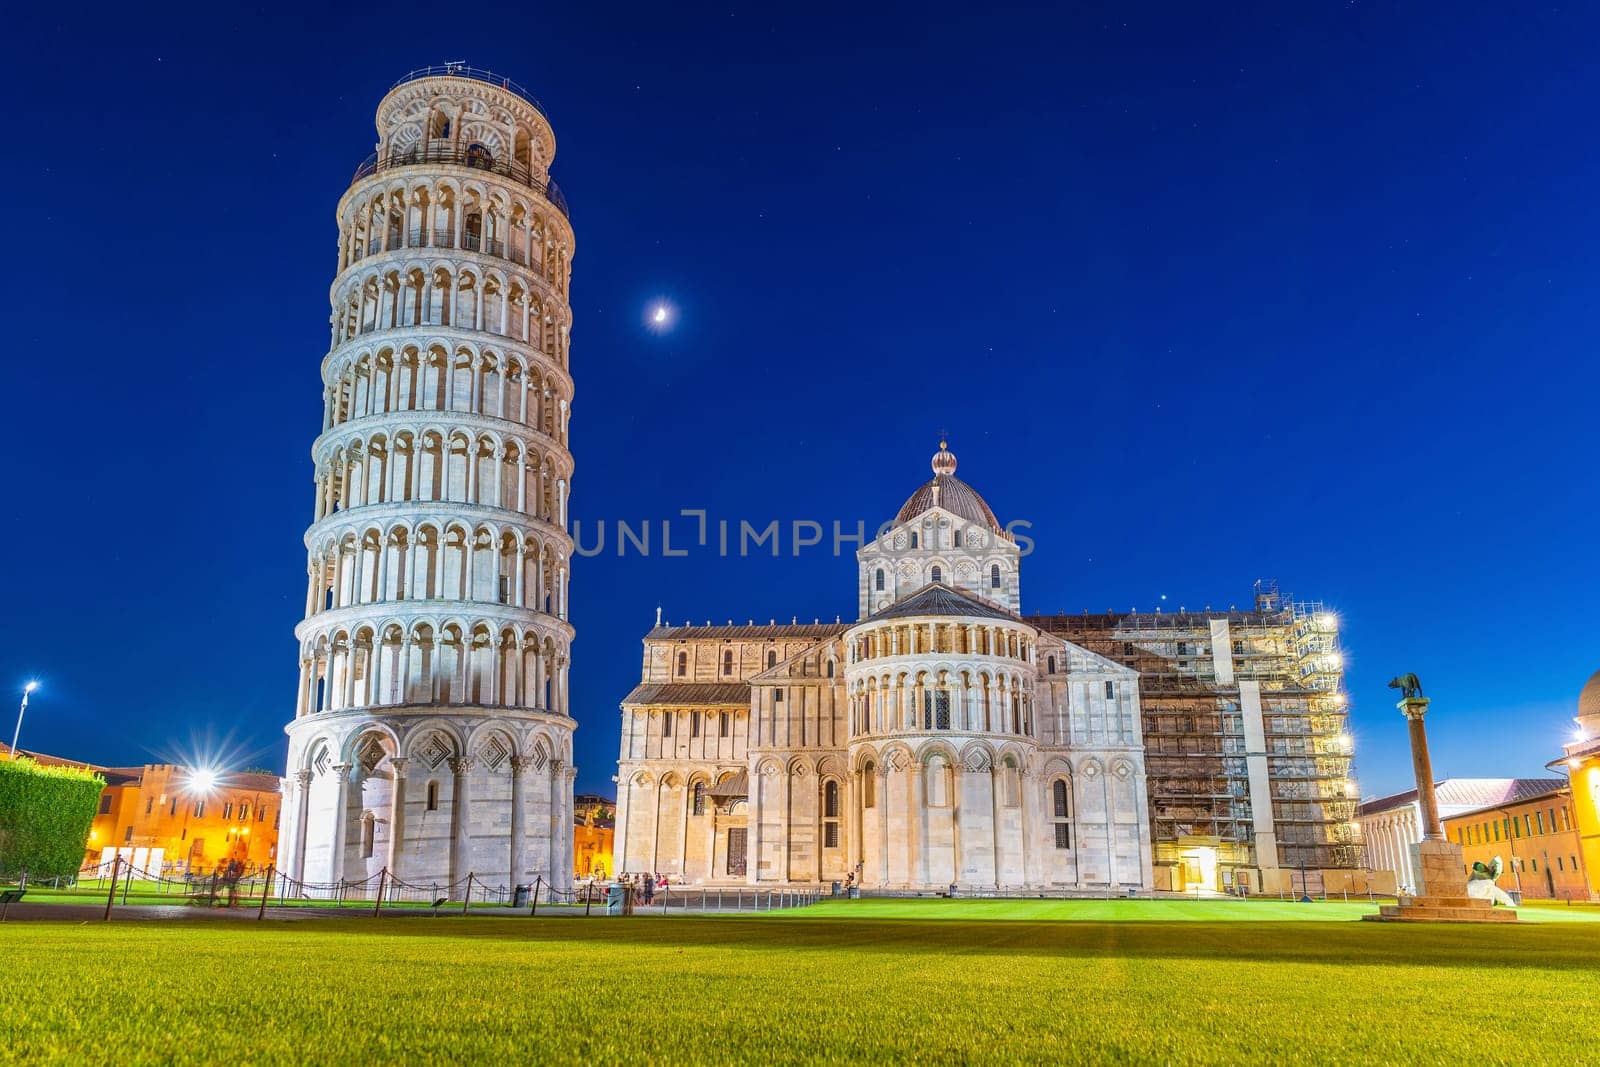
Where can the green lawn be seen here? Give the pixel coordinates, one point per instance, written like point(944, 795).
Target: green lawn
point(867, 982)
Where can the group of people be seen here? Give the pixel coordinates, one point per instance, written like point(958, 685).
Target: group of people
point(644, 886)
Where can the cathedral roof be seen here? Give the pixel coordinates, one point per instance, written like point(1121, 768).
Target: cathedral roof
point(937, 598)
point(946, 491)
point(690, 694)
point(746, 631)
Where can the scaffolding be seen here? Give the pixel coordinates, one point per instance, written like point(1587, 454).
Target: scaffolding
point(1196, 761)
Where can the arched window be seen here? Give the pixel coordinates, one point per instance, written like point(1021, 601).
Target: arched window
point(938, 575)
point(699, 798)
point(1062, 813)
point(913, 539)
point(958, 539)
point(1012, 778)
point(473, 232)
point(369, 833)
point(479, 156)
point(683, 664)
point(994, 576)
point(433, 796)
point(830, 668)
point(727, 661)
point(1050, 665)
point(772, 660)
point(877, 580)
point(830, 800)
point(869, 786)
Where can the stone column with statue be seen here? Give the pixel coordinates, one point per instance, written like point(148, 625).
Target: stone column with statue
point(1441, 874)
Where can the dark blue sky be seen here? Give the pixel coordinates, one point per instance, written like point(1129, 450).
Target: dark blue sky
point(1204, 294)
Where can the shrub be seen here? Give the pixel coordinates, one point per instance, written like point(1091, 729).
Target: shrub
point(45, 814)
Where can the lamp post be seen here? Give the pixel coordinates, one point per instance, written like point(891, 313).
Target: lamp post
point(30, 687)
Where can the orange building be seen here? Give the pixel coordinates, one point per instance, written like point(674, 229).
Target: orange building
point(1537, 840)
point(196, 823)
point(592, 844)
point(1581, 760)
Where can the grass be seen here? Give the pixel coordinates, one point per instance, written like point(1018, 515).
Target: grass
point(867, 982)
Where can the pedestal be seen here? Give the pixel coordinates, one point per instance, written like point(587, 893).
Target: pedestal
point(1442, 891)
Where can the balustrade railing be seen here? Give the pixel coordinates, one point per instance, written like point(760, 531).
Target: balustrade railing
point(472, 156)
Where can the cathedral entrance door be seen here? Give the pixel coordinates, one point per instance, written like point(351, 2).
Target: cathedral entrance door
point(737, 836)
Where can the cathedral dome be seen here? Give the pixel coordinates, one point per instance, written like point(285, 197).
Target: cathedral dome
point(1589, 703)
point(947, 491)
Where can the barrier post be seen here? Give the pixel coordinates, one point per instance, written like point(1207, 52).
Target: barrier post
point(111, 897)
point(538, 880)
point(466, 898)
point(377, 903)
point(266, 887)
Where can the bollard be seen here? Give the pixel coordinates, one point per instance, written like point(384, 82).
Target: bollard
point(537, 882)
point(111, 897)
point(266, 887)
point(466, 898)
point(377, 902)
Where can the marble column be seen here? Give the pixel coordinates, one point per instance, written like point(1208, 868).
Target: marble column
point(557, 836)
point(460, 820)
point(519, 819)
point(297, 853)
point(397, 815)
point(341, 820)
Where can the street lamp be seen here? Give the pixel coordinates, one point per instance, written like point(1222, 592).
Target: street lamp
point(30, 687)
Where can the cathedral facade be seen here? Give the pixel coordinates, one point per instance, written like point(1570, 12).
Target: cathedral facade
point(939, 739)
point(944, 738)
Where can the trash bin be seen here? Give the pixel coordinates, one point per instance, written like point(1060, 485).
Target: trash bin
point(614, 899)
point(519, 897)
point(952, 889)
point(835, 889)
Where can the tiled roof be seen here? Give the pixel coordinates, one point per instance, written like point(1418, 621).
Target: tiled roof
point(690, 694)
point(733, 632)
point(1557, 787)
point(940, 599)
point(1466, 794)
point(737, 786)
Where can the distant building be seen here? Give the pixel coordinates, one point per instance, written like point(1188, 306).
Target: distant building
point(593, 836)
point(1536, 839)
point(155, 817)
point(1391, 825)
point(945, 737)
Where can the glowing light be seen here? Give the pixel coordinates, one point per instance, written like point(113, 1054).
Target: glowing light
point(30, 687)
point(660, 316)
point(203, 780)
point(1327, 620)
point(1574, 763)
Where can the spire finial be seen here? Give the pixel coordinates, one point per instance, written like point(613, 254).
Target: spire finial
point(944, 461)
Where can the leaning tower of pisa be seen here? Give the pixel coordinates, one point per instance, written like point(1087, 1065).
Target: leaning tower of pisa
point(432, 736)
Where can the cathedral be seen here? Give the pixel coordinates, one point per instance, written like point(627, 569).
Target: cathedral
point(946, 739)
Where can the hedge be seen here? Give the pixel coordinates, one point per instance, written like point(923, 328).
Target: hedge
point(45, 815)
